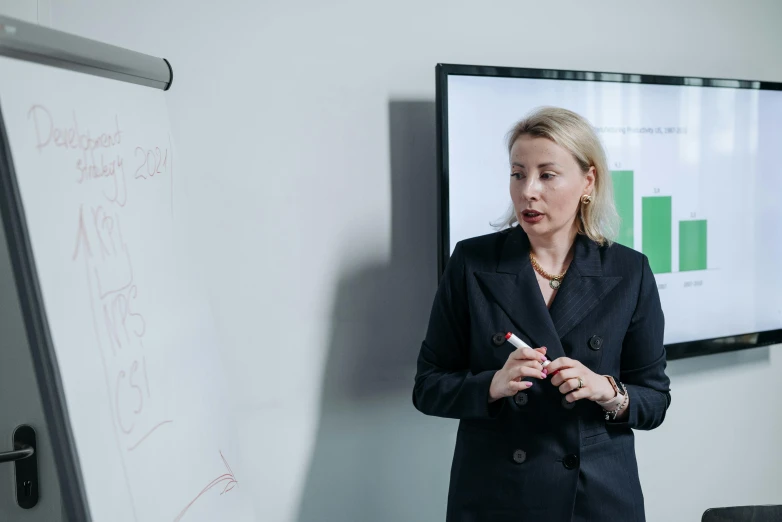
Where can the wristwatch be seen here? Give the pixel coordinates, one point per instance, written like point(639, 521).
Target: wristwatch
point(616, 385)
point(612, 406)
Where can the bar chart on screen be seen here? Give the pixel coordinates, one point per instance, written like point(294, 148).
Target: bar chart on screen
point(661, 230)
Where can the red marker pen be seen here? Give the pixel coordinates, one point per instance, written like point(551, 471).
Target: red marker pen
point(518, 343)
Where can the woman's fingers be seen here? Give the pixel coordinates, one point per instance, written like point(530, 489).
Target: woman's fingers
point(517, 386)
point(560, 364)
point(576, 395)
point(523, 370)
point(522, 354)
point(575, 381)
point(569, 386)
point(567, 381)
point(562, 375)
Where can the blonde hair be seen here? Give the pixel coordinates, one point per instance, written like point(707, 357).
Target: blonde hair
point(597, 220)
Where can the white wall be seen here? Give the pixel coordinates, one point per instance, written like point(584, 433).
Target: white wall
point(26, 10)
point(307, 133)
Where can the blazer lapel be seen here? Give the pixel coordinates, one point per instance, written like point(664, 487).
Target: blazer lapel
point(515, 289)
point(583, 287)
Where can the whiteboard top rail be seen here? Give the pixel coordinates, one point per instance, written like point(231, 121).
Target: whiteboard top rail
point(31, 42)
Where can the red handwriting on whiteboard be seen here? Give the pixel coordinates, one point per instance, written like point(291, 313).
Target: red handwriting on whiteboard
point(119, 326)
point(150, 432)
point(228, 479)
point(123, 325)
point(152, 162)
point(96, 161)
point(113, 170)
point(69, 136)
point(171, 174)
point(114, 270)
point(129, 395)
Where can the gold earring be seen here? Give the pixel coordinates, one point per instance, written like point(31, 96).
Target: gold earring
point(586, 199)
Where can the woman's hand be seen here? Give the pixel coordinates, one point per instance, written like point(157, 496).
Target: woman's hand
point(565, 373)
point(523, 362)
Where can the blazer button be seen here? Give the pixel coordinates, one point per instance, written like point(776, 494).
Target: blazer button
point(498, 339)
point(570, 461)
point(520, 399)
point(595, 342)
point(519, 456)
point(567, 405)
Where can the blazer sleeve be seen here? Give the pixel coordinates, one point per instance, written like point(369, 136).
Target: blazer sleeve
point(643, 359)
point(444, 384)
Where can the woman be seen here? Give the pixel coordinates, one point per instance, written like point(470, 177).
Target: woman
point(551, 443)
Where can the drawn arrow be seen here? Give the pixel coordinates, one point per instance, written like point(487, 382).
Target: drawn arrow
point(228, 478)
point(81, 237)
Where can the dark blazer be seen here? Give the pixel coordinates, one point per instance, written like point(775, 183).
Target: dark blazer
point(535, 457)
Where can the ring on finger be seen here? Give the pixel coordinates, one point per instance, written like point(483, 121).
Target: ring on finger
point(580, 383)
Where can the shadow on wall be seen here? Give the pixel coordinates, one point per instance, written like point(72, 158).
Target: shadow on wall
point(376, 458)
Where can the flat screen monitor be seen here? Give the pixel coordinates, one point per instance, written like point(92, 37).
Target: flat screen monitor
point(696, 169)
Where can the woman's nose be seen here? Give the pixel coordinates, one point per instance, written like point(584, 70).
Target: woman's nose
point(530, 190)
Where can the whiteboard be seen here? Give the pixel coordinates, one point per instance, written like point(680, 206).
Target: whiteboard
point(132, 331)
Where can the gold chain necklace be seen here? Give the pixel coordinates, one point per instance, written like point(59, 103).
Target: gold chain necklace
point(554, 281)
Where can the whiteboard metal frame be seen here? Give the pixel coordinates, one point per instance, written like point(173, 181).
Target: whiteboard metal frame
point(44, 359)
point(47, 46)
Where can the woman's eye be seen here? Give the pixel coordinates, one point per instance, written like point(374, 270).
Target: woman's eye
point(547, 175)
point(516, 175)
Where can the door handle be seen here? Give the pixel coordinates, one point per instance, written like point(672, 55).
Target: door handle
point(26, 466)
point(17, 454)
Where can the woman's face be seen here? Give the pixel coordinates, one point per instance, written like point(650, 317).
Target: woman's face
point(546, 186)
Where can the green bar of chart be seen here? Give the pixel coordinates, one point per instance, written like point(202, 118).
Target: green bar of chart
point(692, 245)
point(623, 198)
point(657, 232)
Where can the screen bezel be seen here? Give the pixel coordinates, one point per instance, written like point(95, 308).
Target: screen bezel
point(444, 70)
